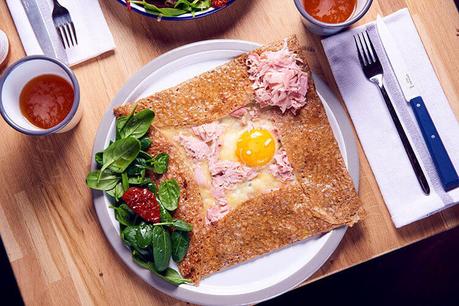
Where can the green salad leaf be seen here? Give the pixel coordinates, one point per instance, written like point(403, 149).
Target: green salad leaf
point(160, 163)
point(99, 159)
point(165, 215)
point(161, 248)
point(144, 235)
point(177, 224)
point(120, 154)
point(145, 143)
point(137, 125)
point(163, 11)
point(101, 180)
point(124, 215)
point(181, 7)
point(169, 275)
point(180, 242)
point(168, 194)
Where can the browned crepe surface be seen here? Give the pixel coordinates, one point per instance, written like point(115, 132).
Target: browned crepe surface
point(322, 199)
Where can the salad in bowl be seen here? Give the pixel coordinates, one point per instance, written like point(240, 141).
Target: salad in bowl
point(176, 9)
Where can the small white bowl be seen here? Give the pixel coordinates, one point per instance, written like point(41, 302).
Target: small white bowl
point(17, 76)
point(323, 28)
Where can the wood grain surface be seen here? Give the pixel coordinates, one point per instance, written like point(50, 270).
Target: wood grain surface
point(47, 221)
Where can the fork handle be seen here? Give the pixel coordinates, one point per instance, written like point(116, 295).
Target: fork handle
point(406, 143)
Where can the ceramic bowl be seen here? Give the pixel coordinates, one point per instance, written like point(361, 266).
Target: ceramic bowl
point(17, 76)
point(325, 29)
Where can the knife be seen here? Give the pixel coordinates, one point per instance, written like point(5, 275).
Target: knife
point(444, 166)
point(46, 37)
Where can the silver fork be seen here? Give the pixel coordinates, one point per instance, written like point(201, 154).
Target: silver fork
point(373, 71)
point(64, 25)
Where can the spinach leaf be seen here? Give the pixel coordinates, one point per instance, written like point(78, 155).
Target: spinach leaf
point(165, 215)
point(140, 180)
point(149, 265)
point(138, 124)
point(145, 143)
point(124, 215)
point(191, 6)
point(124, 181)
point(144, 235)
point(99, 159)
point(173, 277)
point(161, 248)
point(121, 122)
point(152, 187)
point(118, 191)
point(169, 193)
point(120, 154)
point(129, 235)
point(101, 180)
point(163, 11)
point(170, 275)
point(159, 163)
point(180, 242)
point(177, 224)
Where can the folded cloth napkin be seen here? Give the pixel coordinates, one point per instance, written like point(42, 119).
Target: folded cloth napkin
point(398, 184)
point(94, 37)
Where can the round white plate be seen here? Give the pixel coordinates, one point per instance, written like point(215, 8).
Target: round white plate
point(255, 280)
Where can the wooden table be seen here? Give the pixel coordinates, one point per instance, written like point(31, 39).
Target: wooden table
point(47, 221)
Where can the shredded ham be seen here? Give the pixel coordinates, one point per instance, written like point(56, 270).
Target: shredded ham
point(281, 167)
point(239, 113)
point(200, 176)
point(208, 132)
point(226, 173)
point(278, 80)
point(194, 147)
point(218, 211)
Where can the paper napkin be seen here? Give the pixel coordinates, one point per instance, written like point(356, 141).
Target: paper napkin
point(402, 194)
point(94, 37)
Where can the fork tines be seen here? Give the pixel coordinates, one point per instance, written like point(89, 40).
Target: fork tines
point(67, 34)
point(365, 48)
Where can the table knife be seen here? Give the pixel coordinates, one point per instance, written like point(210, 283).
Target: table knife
point(46, 35)
point(444, 166)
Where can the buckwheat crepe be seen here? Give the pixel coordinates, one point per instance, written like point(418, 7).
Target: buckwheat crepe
point(321, 197)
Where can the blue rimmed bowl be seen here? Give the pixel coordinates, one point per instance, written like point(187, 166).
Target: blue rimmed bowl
point(141, 10)
point(17, 76)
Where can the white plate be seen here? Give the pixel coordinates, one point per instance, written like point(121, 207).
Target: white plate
point(266, 276)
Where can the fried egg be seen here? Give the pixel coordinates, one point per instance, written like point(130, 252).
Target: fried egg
point(256, 147)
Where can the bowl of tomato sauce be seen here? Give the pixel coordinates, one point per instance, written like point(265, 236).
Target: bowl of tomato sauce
point(40, 95)
point(326, 17)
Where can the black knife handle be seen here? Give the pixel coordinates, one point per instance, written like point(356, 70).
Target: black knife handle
point(406, 143)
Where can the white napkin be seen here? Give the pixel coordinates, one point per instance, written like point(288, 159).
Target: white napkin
point(398, 184)
point(94, 37)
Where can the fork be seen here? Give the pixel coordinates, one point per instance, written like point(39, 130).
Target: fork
point(64, 25)
point(373, 71)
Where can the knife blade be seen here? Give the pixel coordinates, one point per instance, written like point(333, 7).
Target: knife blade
point(396, 60)
point(444, 166)
point(46, 35)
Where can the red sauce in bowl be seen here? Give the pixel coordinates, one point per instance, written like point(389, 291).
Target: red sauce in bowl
point(330, 11)
point(46, 100)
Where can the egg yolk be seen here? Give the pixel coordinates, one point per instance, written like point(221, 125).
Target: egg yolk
point(256, 147)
